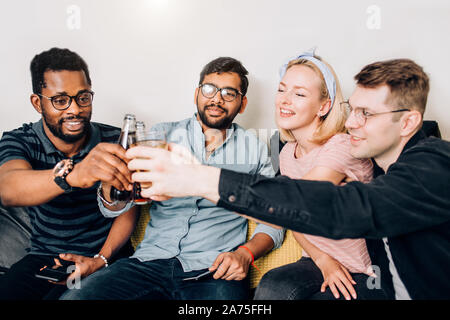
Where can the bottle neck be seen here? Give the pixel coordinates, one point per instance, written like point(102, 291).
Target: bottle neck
point(128, 134)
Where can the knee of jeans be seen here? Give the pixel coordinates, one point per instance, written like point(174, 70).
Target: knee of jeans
point(271, 287)
point(275, 278)
point(80, 291)
point(77, 294)
point(69, 295)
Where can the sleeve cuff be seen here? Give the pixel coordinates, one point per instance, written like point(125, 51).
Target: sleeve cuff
point(277, 235)
point(112, 214)
point(232, 189)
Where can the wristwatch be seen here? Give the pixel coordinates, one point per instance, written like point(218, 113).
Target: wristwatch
point(60, 172)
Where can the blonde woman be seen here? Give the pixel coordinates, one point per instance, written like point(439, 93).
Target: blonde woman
point(311, 120)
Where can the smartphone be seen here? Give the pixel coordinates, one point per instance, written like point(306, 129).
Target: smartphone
point(56, 273)
point(198, 276)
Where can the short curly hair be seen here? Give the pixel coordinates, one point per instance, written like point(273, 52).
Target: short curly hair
point(55, 59)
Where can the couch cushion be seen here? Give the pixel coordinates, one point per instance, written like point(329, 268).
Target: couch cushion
point(289, 252)
point(139, 231)
point(15, 233)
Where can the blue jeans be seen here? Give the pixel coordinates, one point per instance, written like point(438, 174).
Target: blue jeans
point(131, 279)
point(302, 280)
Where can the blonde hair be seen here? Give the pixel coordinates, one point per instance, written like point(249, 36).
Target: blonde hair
point(331, 123)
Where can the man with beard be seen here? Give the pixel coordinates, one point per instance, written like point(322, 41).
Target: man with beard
point(191, 248)
point(53, 168)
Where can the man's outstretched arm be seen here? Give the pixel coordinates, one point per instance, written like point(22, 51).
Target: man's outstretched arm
point(394, 204)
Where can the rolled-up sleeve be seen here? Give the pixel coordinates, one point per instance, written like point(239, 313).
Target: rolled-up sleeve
point(277, 235)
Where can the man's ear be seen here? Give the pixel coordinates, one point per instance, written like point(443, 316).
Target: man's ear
point(243, 104)
point(36, 102)
point(196, 95)
point(411, 122)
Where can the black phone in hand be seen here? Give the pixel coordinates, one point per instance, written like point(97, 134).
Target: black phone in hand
point(56, 273)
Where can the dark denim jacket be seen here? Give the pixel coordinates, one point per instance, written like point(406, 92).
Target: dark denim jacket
point(410, 205)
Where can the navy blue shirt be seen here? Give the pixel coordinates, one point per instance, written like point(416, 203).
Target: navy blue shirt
point(72, 221)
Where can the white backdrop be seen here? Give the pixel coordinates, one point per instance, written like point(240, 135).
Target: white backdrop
point(145, 56)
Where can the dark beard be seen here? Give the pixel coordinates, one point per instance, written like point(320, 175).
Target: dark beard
point(224, 123)
point(56, 130)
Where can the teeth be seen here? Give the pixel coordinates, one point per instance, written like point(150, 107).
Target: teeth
point(286, 111)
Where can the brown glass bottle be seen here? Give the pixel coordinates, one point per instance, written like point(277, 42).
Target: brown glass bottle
point(126, 140)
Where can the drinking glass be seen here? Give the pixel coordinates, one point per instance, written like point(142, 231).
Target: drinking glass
point(149, 138)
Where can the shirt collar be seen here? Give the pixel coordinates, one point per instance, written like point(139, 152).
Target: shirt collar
point(419, 135)
point(49, 148)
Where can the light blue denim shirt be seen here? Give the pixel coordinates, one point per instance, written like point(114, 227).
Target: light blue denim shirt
point(193, 229)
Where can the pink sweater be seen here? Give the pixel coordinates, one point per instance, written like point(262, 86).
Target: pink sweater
point(334, 154)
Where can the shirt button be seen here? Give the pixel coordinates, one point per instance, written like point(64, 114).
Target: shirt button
point(232, 198)
point(271, 210)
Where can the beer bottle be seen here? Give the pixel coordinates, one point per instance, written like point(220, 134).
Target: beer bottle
point(140, 129)
point(128, 135)
point(126, 140)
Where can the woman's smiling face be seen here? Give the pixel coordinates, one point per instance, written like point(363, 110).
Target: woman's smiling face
point(298, 98)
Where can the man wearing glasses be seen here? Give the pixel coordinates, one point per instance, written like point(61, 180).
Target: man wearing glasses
point(193, 249)
point(53, 167)
point(407, 205)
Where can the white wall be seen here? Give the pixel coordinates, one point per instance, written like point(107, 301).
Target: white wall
point(145, 56)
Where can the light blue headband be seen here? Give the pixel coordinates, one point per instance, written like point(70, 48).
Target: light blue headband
point(330, 81)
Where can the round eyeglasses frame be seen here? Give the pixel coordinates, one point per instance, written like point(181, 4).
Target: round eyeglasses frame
point(223, 92)
point(361, 115)
point(77, 98)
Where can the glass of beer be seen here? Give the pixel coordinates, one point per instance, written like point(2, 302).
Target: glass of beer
point(149, 138)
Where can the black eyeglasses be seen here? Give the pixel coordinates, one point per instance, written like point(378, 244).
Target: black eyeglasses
point(228, 94)
point(361, 114)
point(63, 101)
